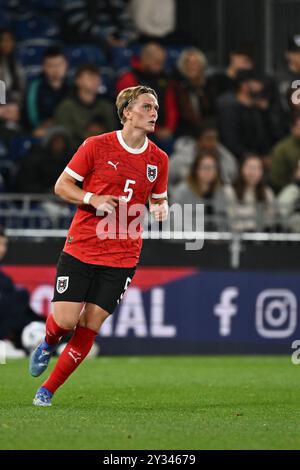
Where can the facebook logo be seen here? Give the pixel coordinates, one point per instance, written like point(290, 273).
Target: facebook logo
point(226, 309)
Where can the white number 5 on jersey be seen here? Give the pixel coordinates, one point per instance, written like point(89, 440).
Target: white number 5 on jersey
point(128, 190)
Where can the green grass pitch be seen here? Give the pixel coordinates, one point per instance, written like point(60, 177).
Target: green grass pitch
point(198, 402)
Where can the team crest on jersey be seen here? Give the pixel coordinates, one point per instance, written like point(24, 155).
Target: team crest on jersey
point(62, 284)
point(151, 173)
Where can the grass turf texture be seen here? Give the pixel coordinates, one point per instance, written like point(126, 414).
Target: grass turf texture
point(157, 403)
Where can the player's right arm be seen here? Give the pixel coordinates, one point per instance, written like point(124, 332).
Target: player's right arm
point(67, 189)
point(78, 168)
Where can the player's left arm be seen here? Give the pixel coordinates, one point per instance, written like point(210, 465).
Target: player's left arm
point(158, 200)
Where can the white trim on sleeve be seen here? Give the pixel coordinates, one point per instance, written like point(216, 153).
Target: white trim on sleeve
point(74, 174)
point(159, 196)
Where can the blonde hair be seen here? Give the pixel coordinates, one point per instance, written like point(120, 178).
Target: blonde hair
point(186, 53)
point(128, 95)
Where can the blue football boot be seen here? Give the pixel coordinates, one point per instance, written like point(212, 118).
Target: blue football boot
point(43, 397)
point(40, 358)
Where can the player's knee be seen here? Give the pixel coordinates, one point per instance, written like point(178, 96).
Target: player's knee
point(93, 318)
point(69, 325)
point(66, 323)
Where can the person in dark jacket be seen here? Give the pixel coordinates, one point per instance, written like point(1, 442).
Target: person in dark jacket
point(44, 93)
point(40, 169)
point(245, 118)
point(15, 311)
point(84, 104)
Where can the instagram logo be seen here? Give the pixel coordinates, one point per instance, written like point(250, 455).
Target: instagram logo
point(276, 313)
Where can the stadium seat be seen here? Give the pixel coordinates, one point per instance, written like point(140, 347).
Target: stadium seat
point(30, 55)
point(44, 4)
point(121, 56)
point(7, 173)
point(29, 27)
point(78, 55)
point(20, 145)
point(3, 150)
point(108, 78)
point(4, 19)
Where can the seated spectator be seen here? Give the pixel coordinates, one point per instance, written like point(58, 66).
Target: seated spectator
point(46, 92)
point(207, 140)
point(11, 74)
point(203, 186)
point(150, 71)
point(101, 22)
point(285, 156)
point(245, 118)
point(240, 58)
point(250, 203)
point(289, 203)
point(75, 112)
point(15, 312)
point(290, 73)
point(10, 70)
point(96, 126)
point(40, 169)
point(193, 95)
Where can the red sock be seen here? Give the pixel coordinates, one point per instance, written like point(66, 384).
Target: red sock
point(76, 350)
point(53, 331)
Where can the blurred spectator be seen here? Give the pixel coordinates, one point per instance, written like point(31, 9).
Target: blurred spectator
point(40, 169)
point(289, 203)
point(15, 312)
point(293, 101)
point(150, 71)
point(285, 156)
point(192, 94)
point(291, 73)
point(240, 58)
point(11, 74)
point(246, 113)
point(96, 126)
point(44, 93)
point(250, 203)
point(203, 186)
point(105, 23)
point(154, 20)
point(207, 140)
point(9, 119)
point(10, 70)
point(75, 112)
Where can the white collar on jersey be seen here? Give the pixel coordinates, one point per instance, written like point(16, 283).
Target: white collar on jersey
point(129, 149)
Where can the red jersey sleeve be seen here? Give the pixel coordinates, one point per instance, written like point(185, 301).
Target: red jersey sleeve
point(160, 188)
point(82, 162)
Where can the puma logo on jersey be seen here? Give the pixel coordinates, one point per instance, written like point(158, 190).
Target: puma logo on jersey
point(113, 164)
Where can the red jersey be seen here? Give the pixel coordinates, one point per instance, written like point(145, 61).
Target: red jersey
point(106, 165)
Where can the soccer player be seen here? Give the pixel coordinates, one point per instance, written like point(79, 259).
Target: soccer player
point(117, 169)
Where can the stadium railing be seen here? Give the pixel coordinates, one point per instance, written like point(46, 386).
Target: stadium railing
point(39, 216)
